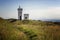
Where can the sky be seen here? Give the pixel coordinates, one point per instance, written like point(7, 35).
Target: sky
point(37, 9)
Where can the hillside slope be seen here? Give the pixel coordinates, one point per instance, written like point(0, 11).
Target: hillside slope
point(28, 30)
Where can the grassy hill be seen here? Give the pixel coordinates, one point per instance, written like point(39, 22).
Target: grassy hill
point(28, 30)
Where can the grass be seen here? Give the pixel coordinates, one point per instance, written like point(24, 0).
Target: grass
point(9, 32)
point(28, 30)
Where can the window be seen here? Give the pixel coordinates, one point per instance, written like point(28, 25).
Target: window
point(25, 17)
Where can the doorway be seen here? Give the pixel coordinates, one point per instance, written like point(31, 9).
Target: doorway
point(20, 18)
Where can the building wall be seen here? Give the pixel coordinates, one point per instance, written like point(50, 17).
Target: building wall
point(20, 13)
point(26, 16)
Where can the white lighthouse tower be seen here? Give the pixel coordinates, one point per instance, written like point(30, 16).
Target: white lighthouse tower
point(20, 13)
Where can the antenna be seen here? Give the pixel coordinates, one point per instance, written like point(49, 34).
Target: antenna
point(19, 6)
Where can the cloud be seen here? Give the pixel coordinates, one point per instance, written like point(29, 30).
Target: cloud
point(53, 12)
point(46, 13)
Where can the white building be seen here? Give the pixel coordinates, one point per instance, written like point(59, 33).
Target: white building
point(26, 16)
point(20, 13)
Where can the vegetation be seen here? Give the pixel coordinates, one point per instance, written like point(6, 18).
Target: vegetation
point(28, 30)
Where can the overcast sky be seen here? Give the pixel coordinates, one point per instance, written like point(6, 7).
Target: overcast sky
point(37, 9)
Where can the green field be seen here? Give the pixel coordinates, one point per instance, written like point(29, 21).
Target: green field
point(29, 30)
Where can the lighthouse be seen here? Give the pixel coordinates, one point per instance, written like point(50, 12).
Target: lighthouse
point(20, 13)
